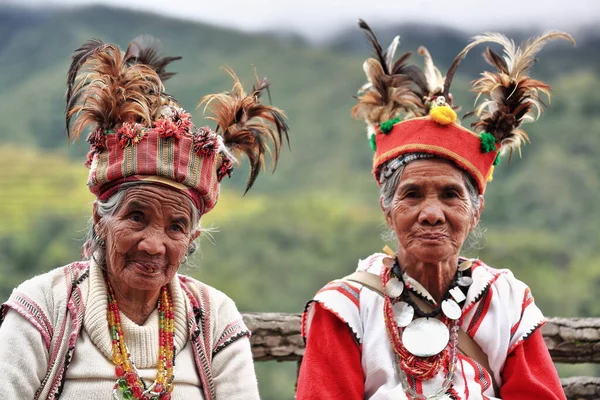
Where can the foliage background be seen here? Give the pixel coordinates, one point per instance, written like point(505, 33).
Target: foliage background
point(312, 220)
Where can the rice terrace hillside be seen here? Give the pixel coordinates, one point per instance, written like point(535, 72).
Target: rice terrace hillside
point(312, 220)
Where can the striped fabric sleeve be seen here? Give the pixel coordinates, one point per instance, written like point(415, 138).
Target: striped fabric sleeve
point(527, 317)
point(33, 313)
point(342, 299)
point(232, 332)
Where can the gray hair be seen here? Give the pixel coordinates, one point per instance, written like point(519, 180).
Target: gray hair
point(95, 246)
point(389, 184)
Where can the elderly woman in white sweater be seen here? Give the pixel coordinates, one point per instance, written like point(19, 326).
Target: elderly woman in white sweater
point(123, 324)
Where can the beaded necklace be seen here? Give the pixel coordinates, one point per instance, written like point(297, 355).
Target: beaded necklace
point(129, 384)
point(419, 366)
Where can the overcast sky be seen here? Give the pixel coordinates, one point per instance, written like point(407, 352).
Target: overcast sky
point(318, 18)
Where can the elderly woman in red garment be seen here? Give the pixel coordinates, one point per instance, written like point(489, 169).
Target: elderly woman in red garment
point(422, 322)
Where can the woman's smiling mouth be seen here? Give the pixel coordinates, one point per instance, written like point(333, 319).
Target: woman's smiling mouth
point(147, 268)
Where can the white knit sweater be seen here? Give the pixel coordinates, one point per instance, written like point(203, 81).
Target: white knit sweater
point(23, 358)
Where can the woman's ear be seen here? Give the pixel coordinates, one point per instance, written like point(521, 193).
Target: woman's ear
point(95, 213)
point(195, 235)
point(99, 224)
point(386, 212)
point(478, 212)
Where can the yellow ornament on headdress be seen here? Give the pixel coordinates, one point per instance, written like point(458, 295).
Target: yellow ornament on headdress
point(441, 112)
point(491, 174)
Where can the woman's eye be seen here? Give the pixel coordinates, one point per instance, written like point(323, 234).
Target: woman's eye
point(451, 194)
point(177, 228)
point(136, 217)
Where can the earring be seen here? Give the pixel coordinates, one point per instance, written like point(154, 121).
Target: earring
point(100, 242)
point(185, 258)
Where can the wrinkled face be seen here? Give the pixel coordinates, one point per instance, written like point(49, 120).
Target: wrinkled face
point(431, 213)
point(147, 237)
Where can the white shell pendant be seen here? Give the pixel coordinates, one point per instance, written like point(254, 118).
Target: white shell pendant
point(457, 294)
point(394, 287)
point(404, 313)
point(451, 309)
point(465, 281)
point(425, 337)
point(465, 265)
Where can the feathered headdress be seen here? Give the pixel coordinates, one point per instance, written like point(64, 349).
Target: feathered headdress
point(139, 133)
point(510, 96)
point(395, 89)
point(410, 111)
point(106, 90)
point(247, 126)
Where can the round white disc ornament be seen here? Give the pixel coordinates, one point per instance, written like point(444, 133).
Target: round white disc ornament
point(394, 287)
point(451, 309)
point(425, 337)
point(404, 313)
point(465, 281)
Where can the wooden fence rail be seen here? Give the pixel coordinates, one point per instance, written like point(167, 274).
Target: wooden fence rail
point(276, 336)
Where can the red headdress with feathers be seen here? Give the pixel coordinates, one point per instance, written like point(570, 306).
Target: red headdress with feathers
point(139, 133)
point(409, 110)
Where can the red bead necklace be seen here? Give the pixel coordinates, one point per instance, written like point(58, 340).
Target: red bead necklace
point(421, 368)
point(129, 385)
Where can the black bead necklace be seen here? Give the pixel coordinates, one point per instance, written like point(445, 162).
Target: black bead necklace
point(405, 296)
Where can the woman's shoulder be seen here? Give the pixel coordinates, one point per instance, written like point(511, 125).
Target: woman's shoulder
point(53, 284)
point(500, 305)
point(203, 293)
point(344, 297)
point(43, 299)
point(497, 277)
point(348, 289)
point(509, 292)
point(218, 308)
point(372, 264)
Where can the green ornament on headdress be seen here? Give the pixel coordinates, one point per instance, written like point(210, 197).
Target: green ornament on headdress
point(488, 142)
point(386, 127)
point(497, 159)
point(372, 142)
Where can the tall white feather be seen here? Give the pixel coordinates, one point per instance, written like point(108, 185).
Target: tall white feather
point(391, 52)
point(435, 80)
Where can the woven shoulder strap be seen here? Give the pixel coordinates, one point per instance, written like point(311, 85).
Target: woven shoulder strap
point(466, 344)
point(367, 279)
point(199, 323)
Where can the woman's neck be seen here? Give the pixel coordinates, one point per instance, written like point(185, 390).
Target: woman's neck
point(436, 278)
point(137, 305)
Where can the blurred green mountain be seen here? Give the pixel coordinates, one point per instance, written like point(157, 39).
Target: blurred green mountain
point(318, 214)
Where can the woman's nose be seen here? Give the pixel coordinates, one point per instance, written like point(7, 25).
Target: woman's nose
point(432, 213)
point(152, 243)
